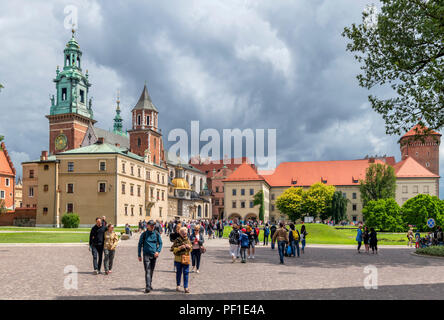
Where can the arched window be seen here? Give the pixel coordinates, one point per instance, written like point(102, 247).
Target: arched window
point(147, 120)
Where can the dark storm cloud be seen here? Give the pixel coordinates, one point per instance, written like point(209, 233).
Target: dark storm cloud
point(229, 64)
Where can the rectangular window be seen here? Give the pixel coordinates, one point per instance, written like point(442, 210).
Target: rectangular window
point(132, 170)
point(126, 210)
point(354, 207)
point(7, 182)
point(70, 188)
point(160, 211)
point(31, 174)
point(45, 210)
point(102, 187)
point(404, 189)
point(344, 195)
point(216, 202)
point(234, 204)
point(2, 194)
point(234, 192)
point(426, 189)
point(148, 175)
point(123, 167)
point(69, 207)
point(251, 204)
point(415, 189)
point(217, 189)
point(132, 211)
point(132, 190)
point(354, 195)
point(123, 188)
point(138, 191)
point(242, 204)
point(31, 192)
point(64, 94)
point(272, 207)
point(272, 196)
point(45, 188)
point(138, 172)
point(46, 167)
point(140, 210)
point(70, 166)
point(82, 96)
point(251, 192)
point(355, 218)
point(102, 166)
point(163, 195)
point(242, 192)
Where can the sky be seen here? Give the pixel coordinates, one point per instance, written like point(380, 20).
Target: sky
point(274, 64)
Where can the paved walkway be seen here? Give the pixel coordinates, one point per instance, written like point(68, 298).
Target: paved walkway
point(323, 272)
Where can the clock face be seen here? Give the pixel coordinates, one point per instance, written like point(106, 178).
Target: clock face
point(61, 141)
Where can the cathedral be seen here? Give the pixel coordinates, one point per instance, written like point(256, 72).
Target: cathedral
point(92, 172)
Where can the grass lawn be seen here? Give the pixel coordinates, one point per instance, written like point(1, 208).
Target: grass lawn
point(42, 237)
point(324, 234)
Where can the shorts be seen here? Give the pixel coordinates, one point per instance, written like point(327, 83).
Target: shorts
point(252, 244)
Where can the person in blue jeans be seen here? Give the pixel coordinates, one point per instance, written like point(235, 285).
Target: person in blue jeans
point(266, 234)
point(294, 240)
point(281, 236)
point(302, 237)
point(359, 238)
point(181, 249)
point(244, 245)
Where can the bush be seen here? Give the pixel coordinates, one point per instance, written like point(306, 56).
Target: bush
point(70, 220)
point(431, 251)
point(417, 210)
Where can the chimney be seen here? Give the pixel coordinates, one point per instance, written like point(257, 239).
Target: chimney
point(100, 140)
point(44, 156)
point(371, 160)
point(118, 145)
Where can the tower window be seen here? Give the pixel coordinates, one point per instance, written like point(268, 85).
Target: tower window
point(139, 142)
point(138, 120)
point(148, 120)
point(67, 60)
point(82, 96)
point(427, 164)
point(63, 94)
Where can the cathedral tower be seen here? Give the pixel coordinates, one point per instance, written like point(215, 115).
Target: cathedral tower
point(70, 112)
point(145, 135)
point(423, 148)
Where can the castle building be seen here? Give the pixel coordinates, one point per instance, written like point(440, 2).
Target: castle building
point(414, 176)
point(7, 179)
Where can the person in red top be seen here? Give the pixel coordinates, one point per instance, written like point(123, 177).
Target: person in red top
point(197, 240)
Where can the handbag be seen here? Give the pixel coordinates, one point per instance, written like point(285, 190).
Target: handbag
point(185, 259)
point(203, 249)
point(289, 250)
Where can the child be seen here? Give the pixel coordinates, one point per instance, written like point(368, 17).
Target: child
point(417, 237)
point(245, 244)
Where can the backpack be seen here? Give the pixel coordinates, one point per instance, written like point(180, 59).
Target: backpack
point(266, 231)
point(234, 237)
point(295, 235)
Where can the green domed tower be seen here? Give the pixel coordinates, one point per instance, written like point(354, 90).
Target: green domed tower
point(71, 111)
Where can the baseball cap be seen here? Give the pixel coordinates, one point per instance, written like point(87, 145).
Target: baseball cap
point(151, 223)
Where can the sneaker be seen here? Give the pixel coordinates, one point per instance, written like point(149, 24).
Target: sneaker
point(96, 272)
point(147, 291)
point(178, 289)
point(197, 271)
point(106, 272)
point(252, 257)
point(233, 259)
point(187, 290)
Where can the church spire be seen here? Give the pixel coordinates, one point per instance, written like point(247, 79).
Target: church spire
point(118, 119)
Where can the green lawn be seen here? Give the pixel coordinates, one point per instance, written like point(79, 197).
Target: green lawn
point(42, 237)
point(324, 234)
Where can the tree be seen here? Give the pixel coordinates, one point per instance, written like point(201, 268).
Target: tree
point(317, 200)
point(379, 183)
point(403, 46)
point(338, 207)
point(383, 215)
point(290, 203)
point(416, 211)
point(3, 208)
point(258, 199)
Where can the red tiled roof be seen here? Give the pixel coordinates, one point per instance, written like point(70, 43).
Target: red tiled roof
point(245, 172)
point(410, 168)
point(208, 166)
point(6, 165)
point(418, 130)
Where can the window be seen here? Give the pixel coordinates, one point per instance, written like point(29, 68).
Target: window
point(126, 209)
point(31, 174)
point(217, 189)
point(242, 204)
point(251, 192)
point(234, 193)
point(158, 195)
point(426, 189)
point(242, 192)
point(404, 189)
point(69, 207)
point(163, 195)
point(132, 211)
point(234, 204)
point(415, 189)
point(354, 207)
point(132, 190)
point(70, 188)
point(138, 172)
point(148, 120)
point(102, 187)
point(70, 166)
point(140, 210)
point(158, 178)
point(216, 202)
point(251, 204)
point(272, 207)
point(163, 179)
point(7, 182)
point(427, 164)
point(123, 167)
point(354, 195)
point(155, 142)
point(2, 194)
point(45, 188)
point(344, 195)
point(132, 170)
point(82, 96)
point(123, 188)
point(138, 191)
point(102, 166)
point(64, 94)
point(138, 119)
point(139, 142)
point(31, 192)
point(46, 167)
point(148, 175)
point(355, 218)
point(160, 211)
point(45, 210)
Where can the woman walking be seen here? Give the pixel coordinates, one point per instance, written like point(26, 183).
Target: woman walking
point(293, 237)
point(366, 238)
point(359, 238)
point(111, 240)
point(197, 241)
point(303, 237)
point(181, 249)
point(373, 241)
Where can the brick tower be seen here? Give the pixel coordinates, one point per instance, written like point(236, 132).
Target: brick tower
point(424, 149)
point(145, 136)
point(70, 113)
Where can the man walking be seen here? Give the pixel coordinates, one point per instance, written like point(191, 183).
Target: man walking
point(151, 242)
point(96, 242)
point(359, 238)
point(272, 232)
point(281, 235)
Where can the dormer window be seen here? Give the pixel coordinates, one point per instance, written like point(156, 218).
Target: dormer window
point(354, 180)
point(324, 180)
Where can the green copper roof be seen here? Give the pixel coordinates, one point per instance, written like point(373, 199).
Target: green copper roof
point(103, 148)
